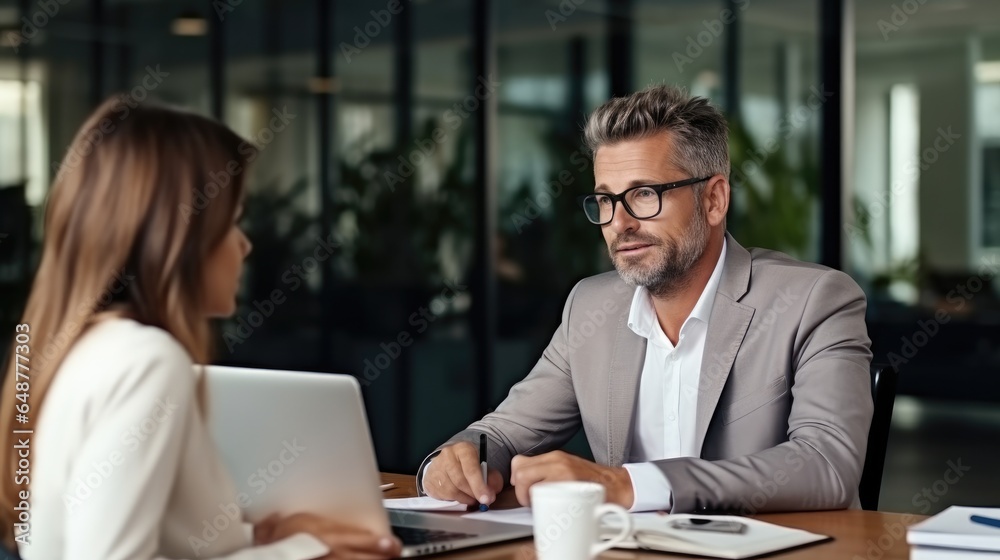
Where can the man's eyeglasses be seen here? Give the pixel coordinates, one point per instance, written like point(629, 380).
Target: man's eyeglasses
point(642, 202)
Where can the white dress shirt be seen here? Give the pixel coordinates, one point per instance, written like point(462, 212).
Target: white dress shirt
point(666, 408)
point(123, 466)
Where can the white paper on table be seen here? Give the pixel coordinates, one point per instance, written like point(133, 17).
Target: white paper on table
point(514, 516)
point(423, 503)
point(759, 537)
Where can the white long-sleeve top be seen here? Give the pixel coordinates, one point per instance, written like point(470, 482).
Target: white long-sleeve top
point(123, 466)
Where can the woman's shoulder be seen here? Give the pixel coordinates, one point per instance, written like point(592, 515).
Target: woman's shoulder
point(127, 340)
point(123, 355)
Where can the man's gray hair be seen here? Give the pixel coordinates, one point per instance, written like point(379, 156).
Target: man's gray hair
point(698, 130)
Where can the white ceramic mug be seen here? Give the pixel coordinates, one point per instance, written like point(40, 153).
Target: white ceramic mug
point(566, 518)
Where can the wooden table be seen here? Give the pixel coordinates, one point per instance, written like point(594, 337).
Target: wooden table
point(858, 535)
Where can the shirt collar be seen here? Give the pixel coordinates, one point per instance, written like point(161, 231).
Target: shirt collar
point(642, 315)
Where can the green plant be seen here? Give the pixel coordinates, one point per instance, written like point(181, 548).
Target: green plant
point(558, 245)
point(281, 233)
point(776, 199)
point(395, 233)
point(908, 271)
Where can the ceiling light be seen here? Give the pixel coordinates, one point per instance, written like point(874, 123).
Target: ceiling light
point(323, 85)
point(189, 24)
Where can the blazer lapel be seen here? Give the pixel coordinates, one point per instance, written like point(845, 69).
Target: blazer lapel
point(728, 326)
point(627, 358)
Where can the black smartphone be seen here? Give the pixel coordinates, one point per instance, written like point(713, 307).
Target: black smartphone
point(707, 524)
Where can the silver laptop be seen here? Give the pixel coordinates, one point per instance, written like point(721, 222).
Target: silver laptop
point(300, 442)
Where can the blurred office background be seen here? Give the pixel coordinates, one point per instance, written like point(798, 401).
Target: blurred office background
point(434, 147)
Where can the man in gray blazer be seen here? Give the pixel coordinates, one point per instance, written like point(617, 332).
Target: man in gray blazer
point(707, 377)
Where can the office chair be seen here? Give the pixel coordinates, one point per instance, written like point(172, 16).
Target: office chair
point(884, 380)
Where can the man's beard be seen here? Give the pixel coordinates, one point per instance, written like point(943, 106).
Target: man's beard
point(667, 270)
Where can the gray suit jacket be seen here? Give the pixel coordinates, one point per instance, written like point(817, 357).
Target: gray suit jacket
point(784, 397)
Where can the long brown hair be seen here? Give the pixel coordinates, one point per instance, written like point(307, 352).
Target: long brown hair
point(143, 196)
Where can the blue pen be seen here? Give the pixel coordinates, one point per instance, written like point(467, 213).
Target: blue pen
point(986, 521)
point(482, 465)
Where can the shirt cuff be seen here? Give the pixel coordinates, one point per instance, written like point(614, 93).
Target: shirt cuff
point(650, 488)
point(420, 479)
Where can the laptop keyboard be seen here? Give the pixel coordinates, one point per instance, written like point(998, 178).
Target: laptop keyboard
point(416, 536)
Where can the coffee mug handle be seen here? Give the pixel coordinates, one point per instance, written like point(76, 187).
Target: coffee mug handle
point(622, 536)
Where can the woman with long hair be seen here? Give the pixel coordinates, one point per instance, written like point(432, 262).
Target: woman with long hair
point(106, 452)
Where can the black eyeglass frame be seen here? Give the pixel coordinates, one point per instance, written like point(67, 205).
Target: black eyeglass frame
point(620, 197)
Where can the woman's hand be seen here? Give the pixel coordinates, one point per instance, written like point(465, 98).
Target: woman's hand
point(262, 531)
point(344, 541)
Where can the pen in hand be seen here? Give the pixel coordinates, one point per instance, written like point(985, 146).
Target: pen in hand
point(482, 465)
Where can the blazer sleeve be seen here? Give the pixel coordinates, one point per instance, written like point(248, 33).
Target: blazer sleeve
point(539, 414)
point(819, 467)
point(120, 519)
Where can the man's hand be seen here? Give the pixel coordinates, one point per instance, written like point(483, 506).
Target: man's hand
point(455, 474)
point(558, 466)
